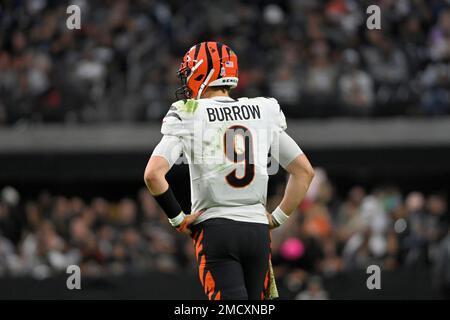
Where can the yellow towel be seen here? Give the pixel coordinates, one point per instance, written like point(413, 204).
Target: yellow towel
point(271, 290)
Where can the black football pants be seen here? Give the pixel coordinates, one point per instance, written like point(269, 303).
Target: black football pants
point(233, 258)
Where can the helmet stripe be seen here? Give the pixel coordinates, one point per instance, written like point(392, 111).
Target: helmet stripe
point(228, 51)
point(219, 50)
point(197, 50)
point(208, 58)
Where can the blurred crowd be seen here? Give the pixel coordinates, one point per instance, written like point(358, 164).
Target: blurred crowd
point(43, 236)
point(328, 236)
point(385, 227)
point(316, 56)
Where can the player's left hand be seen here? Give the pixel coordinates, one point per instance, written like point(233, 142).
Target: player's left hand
point(272, 225)
point(184, 227)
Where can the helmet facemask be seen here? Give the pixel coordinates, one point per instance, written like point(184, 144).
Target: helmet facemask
point(183, 92)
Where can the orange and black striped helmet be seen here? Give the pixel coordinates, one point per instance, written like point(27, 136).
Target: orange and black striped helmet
point(207, 64)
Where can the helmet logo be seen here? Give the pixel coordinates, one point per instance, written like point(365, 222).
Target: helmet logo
point(222, 72)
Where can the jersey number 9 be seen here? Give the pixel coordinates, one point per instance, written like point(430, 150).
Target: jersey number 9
point(238, 154)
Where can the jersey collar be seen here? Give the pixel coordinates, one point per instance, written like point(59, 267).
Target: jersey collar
point(222, 98)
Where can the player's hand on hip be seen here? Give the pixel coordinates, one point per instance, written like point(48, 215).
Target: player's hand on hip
point(272, 224)
point(184, 227)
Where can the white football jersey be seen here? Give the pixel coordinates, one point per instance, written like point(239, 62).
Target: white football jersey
point(226, 143)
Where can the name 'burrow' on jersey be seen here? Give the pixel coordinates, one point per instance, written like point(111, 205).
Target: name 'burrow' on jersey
point(233, 113)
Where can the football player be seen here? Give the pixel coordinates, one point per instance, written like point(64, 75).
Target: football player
point(226, 142)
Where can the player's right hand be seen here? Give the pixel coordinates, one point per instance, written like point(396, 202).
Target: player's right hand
point(184, 227)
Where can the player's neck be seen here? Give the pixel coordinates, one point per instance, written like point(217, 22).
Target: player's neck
point(216, 93)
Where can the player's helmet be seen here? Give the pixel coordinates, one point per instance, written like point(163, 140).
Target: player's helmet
point(207, 64)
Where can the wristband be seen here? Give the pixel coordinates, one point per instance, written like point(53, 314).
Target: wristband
point(169, 203)
point(175, 222)
point(279, 217)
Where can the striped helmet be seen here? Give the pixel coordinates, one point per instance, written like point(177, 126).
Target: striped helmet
point(207, 64)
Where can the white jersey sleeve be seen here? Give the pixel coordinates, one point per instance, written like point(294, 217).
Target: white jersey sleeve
point(279, 123)
point(178, 120)
point(288, 150)
point(175, 127)
point(283, 148)
point(170, 148)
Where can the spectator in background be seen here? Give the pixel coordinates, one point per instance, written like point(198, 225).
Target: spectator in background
point(356, 89)
point(346, 17)
point(126, 214)
point(436, 83)
point(391, 259)
point(436, 76)
point(413, 43)
point(11, 221)
point(439, 37)
point(320, 79)
point(7, 227)
point(388, 66)
point(369, 243)
point(332, 264)
point(286, 87)
point(437, 221)
point(9, 261)
point(101, 209)
point(349, 220)
point(415, 241)
point(11, 225)
point(314, 291)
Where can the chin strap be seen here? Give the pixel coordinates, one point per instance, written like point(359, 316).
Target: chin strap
point(203, 86)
